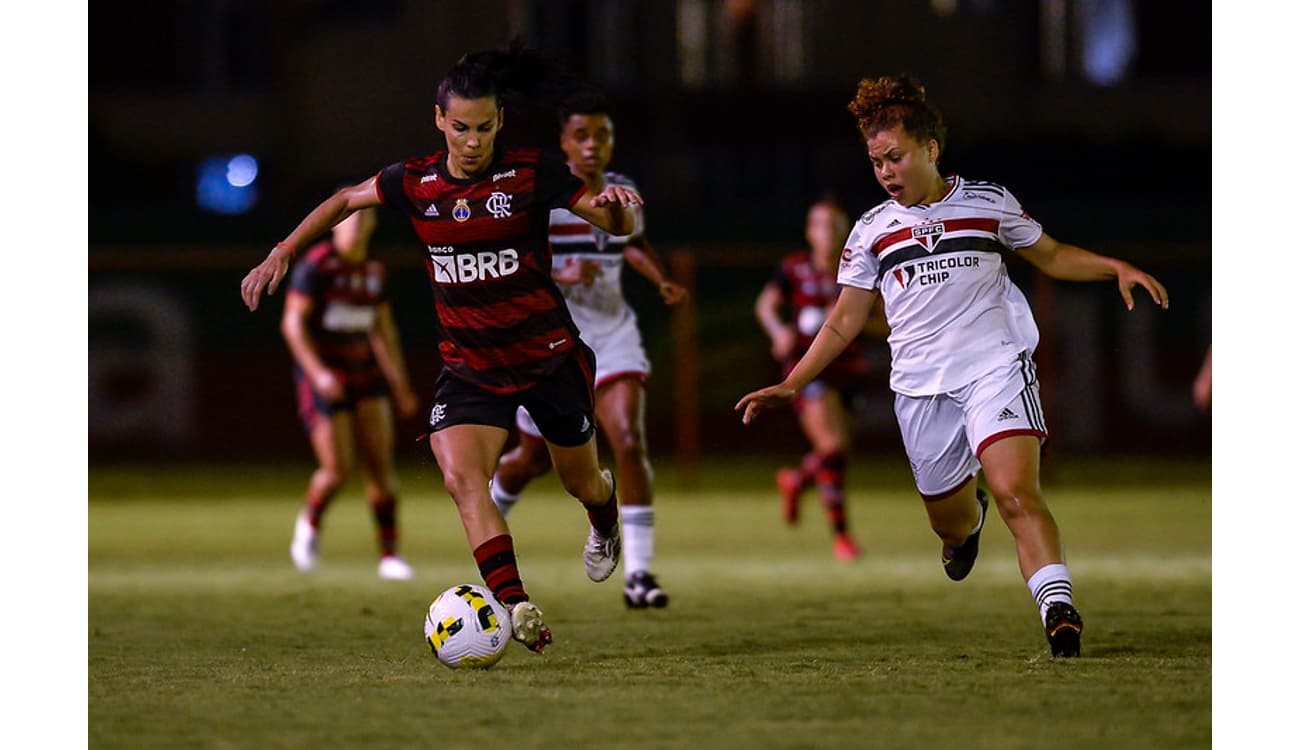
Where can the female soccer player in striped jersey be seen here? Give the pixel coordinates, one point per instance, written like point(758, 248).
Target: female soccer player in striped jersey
point(805, 284)
point(588, 265)
point(507, 339)
point(349, 372)
point(962, 339)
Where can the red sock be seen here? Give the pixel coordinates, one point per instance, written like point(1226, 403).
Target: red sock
point(316, 505)
point(496, 563)
point(830, 483)
point(384, 508)
point(604, 518)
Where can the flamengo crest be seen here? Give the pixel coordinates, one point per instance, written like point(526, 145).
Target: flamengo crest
point(498, 204)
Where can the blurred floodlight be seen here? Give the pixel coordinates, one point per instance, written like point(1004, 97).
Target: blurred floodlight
point(227, 184)
point(241, 170)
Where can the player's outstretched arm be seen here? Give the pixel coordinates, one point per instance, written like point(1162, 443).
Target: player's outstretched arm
point(1067, 262)
point(641, 255)
point(612, 209)
point(268, 274)
point(842, 325)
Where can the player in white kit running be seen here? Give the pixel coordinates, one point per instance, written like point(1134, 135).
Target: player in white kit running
point(962, 340)
point(587, 262)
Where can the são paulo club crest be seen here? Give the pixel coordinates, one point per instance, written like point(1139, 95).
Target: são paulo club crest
point(928, 235)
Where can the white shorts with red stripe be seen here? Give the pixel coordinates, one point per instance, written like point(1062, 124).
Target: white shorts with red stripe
point(945, 434)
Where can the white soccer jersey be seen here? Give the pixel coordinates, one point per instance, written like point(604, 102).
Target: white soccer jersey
point(953, 312)
point(600, 308)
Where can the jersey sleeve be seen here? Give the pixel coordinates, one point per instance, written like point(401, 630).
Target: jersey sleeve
point(781, 279)
point(557, 187)
point(859, 267)
point(305, 278)
point(1017, 229)
point(392, 188)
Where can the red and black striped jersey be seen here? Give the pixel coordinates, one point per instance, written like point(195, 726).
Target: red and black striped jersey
point(504, 323)
point(345, 298)
point(809, 294)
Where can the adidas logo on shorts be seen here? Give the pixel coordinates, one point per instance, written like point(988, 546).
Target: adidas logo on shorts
point(1007, 414)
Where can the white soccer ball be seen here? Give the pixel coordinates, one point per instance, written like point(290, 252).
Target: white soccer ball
point(467, 627)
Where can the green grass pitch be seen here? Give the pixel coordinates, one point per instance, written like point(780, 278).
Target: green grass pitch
point(203, 635)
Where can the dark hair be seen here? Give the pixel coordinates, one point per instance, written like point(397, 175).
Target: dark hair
point(882, 103)
point(505, 74)
point(585, 100)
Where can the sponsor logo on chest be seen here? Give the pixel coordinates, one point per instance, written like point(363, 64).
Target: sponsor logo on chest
point(468, 268)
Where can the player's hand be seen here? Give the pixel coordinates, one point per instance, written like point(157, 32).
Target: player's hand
point(267, 275)
point(783, 343)
point(771, 397)
point(616, 195)
point(328, 385)
point(407, 402)
point(1129, 277)
point(583, 271)
point(671, 292)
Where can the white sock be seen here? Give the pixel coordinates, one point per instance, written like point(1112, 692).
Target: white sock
point(504, 500)
point(1050, 584)
point(638, 538)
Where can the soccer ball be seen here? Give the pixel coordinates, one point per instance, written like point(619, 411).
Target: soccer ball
point(467, 627)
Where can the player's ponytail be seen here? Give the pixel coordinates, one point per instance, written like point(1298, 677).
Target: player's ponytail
point(881, 103)
point(516, 74)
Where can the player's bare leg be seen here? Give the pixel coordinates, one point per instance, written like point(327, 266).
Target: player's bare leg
point(331, 441)
point(467, 454)
point(580, 473)
point(524, 463)
point(1011, 468)
point(620, 412)
point(374, 432)
point(957, 516)
point(825, 422)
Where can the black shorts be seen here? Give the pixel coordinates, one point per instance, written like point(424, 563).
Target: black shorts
point(562, 405)
point(313, 407)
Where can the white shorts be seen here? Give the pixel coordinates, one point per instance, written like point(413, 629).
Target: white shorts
point(619, 354)
point(944, 434)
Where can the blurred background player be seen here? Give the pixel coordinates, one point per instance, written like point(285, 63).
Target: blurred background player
point(588, 265)
point(962, 338)
point(506, 338)
point(348, 369)
point(804, 285)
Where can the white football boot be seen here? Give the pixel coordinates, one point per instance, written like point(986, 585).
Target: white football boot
point(303, 548)
point(394, 568)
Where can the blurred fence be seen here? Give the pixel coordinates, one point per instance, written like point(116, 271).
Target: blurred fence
point(178, 368)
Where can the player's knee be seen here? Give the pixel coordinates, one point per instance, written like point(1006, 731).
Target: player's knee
point(1018, 497)
point(461, 485)
point(332, 477)
point(628, 446)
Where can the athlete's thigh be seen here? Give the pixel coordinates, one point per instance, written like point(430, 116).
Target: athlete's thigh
point(620, 409)
point(332, 440)
point(934, 437)
point(468, 452)
point(374, 433)
point(824, 421)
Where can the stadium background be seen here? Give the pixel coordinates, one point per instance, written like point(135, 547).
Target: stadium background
point(731, 117)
